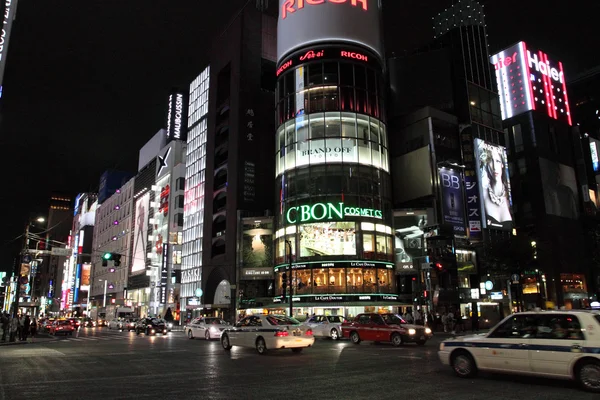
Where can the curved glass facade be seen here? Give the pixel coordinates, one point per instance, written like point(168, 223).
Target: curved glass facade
point(332, 175)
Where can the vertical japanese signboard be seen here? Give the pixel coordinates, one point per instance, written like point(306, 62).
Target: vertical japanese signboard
point(471, 187)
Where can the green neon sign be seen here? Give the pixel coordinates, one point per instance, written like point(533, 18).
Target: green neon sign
point(328, 212)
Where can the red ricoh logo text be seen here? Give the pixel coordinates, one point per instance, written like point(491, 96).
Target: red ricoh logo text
point(291, 6)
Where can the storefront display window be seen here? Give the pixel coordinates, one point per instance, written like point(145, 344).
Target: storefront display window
point(370, 281)
point(323, 239)
point(355, 280)
point(385, 278)
point(337, 280)
point(303, 281)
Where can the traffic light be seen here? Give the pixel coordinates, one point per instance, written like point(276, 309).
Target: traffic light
point(114, 257)
point(439, 266)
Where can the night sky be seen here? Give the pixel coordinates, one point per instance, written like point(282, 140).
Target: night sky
point(86, 80)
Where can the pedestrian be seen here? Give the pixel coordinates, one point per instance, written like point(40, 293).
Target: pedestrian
point(26, 327)
point(19, 323)
point(474, 321)
point(33, 328)
point(418, 317)
point(445, 321)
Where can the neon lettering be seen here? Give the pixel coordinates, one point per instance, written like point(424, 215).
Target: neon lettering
point(544, 67)
point(328, 212)
point(291, 6)
point(312, 54)
point(356, 56)
point(285, 66)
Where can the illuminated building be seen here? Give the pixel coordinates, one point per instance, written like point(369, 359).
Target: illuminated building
point(333, 193)
point(228, 161)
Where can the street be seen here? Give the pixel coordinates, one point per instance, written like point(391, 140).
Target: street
point(105, 364)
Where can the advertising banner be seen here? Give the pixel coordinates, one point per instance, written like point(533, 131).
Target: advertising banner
point(494, 185)
point(594, 146)
point(528, 80)
point(560, 189)
point(453, 206)
point(140, 233)
point(164, 274)
point(303, 22)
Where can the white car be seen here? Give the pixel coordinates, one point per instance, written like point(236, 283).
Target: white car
point(266, 332)
point(327, 326)
point(554, 344)
point(206, 327)
point(117, 323)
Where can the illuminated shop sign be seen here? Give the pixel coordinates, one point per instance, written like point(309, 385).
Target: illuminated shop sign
point(176, 117)
point(292, 6)
point(528, 80)
point(328, 212)
point(339, 264)
point(326, 53)
point(331, 298)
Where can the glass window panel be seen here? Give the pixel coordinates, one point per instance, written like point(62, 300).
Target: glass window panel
point(354, 280)
point(337, 280)
point(290, 157)
point(368, 245)
point(376, 155)
point(336, 238)
point(349, 125)
point(360, 77)
point(301, 128)
point(347, 99)
point(385, 279)
point(370, 280)
point(374, 130)
point(371, 79)
point(315, 74)
point(289, 134)
point(331, 73)
point(331, 98)
point(346, 74)
point(289, 83)
point(316, 100)
point(320, 282)
point(361, 101)
point(303, 281)
point(317, 126)
point(333, 124)
point(350, 154)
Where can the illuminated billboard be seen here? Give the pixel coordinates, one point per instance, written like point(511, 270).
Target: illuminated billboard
point(177, 116)
point(305, 22)
point(328, 239)
point(528, 80)
point(328, 212)
point(594, 146)
point(453, 207)
point(494, 185)
point(140, 232)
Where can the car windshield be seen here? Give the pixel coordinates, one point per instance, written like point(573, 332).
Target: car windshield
point(215, 321)
point(282, 320)
point(392, 319)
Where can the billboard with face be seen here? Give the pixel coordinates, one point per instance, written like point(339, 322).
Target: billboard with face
point(304, 22)
point(494, 185)
point(560, 189)
point(140, 232)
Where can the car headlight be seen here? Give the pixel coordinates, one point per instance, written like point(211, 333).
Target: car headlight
point(213, 329)
point(170, 325)
point(412, 331)
point(427, 330)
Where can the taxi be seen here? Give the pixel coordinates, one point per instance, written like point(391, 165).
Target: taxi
point(553, 344)
point(268, 332)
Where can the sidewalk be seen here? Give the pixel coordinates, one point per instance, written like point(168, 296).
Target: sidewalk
point(40, 338)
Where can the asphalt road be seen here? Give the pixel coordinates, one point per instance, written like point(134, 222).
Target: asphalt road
point(103, 364)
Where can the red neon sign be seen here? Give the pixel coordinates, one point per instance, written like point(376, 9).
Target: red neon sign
point(285, 66)
point(291, 6)
point(312, 54)
point(354, 55)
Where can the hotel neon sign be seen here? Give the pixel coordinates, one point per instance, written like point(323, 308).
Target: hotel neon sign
point(328, 212)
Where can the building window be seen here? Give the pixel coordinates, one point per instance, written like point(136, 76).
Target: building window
point(518, 138)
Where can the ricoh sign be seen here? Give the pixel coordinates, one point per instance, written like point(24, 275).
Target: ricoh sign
point(528, 80)
point(305, 22)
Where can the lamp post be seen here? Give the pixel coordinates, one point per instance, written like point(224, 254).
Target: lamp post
point(17, 273)
point(288, 245)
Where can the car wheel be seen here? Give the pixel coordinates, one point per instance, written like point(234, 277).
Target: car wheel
point(225, 342)
point(354, 337)
point(297, 350)
point(334, 334)
point(207, 335)
point(464, 365)
point(588, 375)
point(190, 334)
point(397, 339)
point(421, 342)
point(261, 346)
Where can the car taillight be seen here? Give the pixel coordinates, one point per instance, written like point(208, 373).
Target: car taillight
point(281, 333)
point(309, 332)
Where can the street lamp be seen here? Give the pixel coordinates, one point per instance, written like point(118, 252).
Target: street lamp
point(17, 272)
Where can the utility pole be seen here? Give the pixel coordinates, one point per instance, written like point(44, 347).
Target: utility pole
point(289, 246)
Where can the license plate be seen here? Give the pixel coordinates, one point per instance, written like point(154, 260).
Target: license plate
point(298, 340)
point(422, 337)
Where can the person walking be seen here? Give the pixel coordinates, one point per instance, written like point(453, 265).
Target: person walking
point(19, 322)
point(33, 328)
point(25, 327)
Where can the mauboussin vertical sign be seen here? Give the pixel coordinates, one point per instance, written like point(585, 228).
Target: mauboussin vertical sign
point(453, 209)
